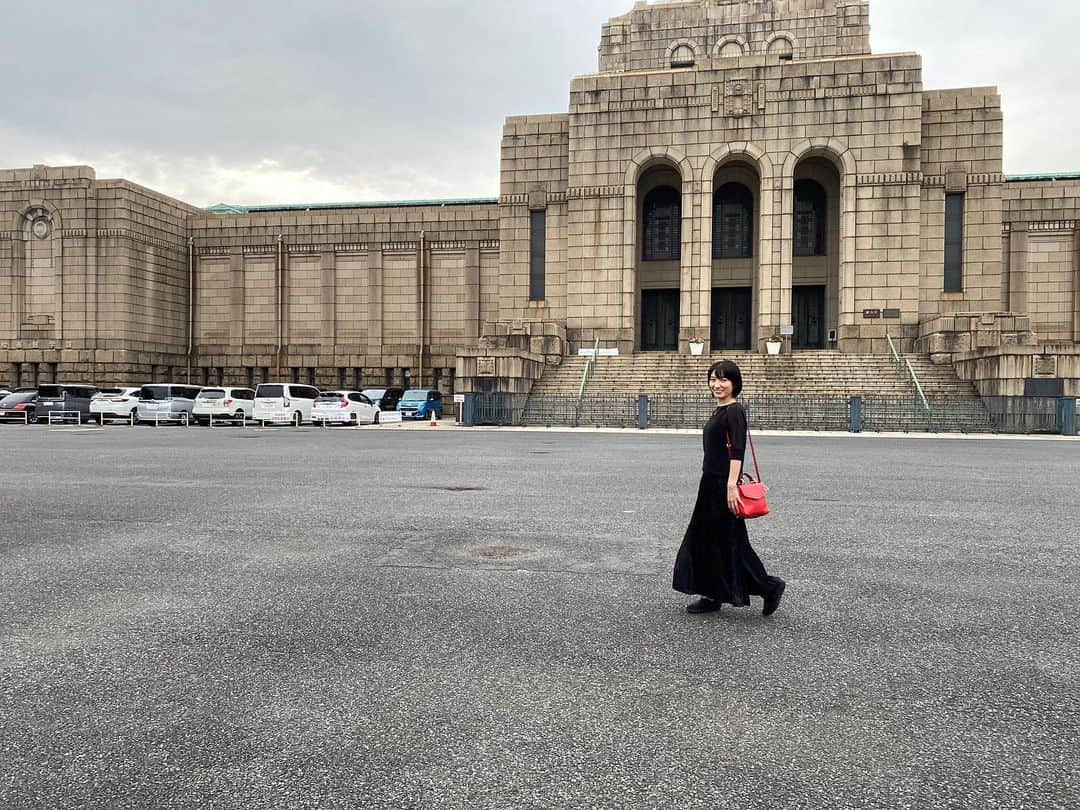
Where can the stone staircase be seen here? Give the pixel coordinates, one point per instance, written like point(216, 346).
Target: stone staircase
point(826, 373)
point(889, 393)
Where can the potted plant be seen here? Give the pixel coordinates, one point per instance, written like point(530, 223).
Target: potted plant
point(773, 343)
point(697, 347)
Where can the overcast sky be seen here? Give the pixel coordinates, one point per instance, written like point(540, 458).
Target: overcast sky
point(285, 101)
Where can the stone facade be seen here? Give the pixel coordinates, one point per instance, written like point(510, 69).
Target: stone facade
point(735, 170)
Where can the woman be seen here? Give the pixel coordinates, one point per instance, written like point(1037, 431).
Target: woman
point(716, 562)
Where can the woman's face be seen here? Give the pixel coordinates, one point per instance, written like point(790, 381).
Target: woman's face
point(721, 388)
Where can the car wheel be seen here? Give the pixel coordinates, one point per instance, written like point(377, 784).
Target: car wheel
point(32, 419)
point(239, 416)
point(375, 420)
point(298, 419)
point(135, 417)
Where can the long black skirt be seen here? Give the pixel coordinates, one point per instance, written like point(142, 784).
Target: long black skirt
point(716, 560)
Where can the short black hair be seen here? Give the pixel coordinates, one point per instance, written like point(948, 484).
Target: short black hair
point(727, 370)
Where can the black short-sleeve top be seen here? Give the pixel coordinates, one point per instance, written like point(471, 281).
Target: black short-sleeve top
point(724, 438)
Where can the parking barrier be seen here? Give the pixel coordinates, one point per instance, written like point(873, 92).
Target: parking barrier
point(171, 417)
point(230, 419)
point(64, 416)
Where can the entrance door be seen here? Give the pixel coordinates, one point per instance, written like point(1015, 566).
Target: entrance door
point(659, 320)
point(731, 316)
point(808, 316)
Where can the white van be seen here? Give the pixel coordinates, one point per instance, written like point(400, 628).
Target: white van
point(236, 404)
point(287, 403)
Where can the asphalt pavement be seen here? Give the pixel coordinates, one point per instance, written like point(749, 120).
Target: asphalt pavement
point(435, 618)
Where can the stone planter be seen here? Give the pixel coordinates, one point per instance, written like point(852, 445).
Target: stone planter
point(697, 348)
point(773, 347)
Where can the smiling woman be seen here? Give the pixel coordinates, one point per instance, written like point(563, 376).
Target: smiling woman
point(716, 561)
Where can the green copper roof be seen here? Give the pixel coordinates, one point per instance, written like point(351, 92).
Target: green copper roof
point(1028, 178)
point(228, 208)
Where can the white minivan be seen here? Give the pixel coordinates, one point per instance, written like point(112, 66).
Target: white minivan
point(284, 403)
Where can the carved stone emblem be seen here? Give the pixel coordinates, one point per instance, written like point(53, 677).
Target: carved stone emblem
point(41, 228)
point(739, 98)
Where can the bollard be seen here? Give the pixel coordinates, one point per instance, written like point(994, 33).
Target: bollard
point(855, 414)
point(643, 411)
point(468, 408)
point(1067, 415)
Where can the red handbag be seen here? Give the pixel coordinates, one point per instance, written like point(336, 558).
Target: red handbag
point(751, 489)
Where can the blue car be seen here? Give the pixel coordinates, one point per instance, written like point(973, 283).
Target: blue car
point(418, 403)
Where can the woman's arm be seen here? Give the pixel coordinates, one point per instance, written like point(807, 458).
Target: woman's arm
point(733, 499)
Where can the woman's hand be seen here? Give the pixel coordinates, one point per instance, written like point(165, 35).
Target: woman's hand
point(733, 499)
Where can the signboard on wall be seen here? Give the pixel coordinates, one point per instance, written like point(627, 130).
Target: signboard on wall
point(485, 366)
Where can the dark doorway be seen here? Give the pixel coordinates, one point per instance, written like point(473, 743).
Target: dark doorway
point(731, 318)
point(659, 320)
point(808, 315)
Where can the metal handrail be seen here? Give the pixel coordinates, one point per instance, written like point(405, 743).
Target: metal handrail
point(589, 366)
point(903, 364)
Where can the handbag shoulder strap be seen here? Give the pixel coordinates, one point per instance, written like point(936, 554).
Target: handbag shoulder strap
point(753, 452)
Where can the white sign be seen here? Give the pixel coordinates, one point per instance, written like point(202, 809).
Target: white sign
point(787, 330)
point(390, 417)
point(281, 417)
point(459, 398)
point(599, 353)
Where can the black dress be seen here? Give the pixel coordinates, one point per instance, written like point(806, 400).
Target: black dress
point(716, 560)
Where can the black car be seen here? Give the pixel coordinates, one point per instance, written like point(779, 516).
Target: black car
point(386, 398)
point(19, 407)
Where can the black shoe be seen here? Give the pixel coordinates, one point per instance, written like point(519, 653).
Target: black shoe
point(772, 601)
point(703, 605)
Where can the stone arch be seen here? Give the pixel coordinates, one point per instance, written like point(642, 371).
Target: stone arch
point(843, 161)
point(642, 162)
point(731, 39)
point(790, 37)
point(25, 217)
point(39, 267)
point(676, 45)
point(756, 157)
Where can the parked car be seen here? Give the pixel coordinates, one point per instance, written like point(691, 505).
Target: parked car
point(166, 402)
point(277, 401)
point(386, 398)
point(54, 398)
point(345, 408)
point(19, 406)
point(419, 403)
point(224, 403)
point(115, 403)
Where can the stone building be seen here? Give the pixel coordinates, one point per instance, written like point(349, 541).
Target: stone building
point(736, 169)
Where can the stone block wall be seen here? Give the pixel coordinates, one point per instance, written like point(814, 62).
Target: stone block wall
point(961, 152)
point(647, 37)
point(1041, 246)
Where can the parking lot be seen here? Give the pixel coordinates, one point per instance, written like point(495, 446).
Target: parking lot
point(430, 617)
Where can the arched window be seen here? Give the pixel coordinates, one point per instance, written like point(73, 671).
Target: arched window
point(810, 218)
point(783, 47)
point(662, 227)
point(733, 222)
point(682, 56)
point(731, 49)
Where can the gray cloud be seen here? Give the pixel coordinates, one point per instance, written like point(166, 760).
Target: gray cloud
point(278, 101)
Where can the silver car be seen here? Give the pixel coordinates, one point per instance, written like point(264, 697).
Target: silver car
point(167, 402)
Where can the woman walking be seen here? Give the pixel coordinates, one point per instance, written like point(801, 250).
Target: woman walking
point(716, 562)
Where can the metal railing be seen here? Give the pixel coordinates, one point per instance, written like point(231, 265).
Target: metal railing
point(64, 417)
point(903, 365)
point(590, 366)
point(871, 413)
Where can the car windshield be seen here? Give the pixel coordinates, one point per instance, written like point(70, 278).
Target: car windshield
point(108, 392)
point(415, 395)
point(329, 396)
point(212, 393)
point(374, 393)
point(153, 392)
point(51, 392)
point(270, 391)
point(17, 399)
